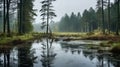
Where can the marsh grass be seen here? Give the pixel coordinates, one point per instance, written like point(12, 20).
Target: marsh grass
point(25, 37)
point(68, 34)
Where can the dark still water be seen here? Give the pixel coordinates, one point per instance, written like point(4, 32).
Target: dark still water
point(47, 53)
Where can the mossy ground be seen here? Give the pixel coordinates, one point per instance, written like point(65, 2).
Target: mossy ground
point(5, 39)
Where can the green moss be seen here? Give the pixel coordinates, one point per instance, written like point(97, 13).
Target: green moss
point(25, 37)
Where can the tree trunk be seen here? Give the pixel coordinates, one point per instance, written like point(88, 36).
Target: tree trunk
point(4, 17)
point(117, 27)
point(103, 25)
point(8, 22)
point(47, 18)
point(20, 17)
point(109, 16)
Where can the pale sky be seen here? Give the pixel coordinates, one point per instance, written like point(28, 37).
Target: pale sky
point(66, 6)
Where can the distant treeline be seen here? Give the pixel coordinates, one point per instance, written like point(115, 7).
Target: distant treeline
point(77, 23)
point(92, 19)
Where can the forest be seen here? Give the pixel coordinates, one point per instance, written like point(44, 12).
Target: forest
point(104, 18)
point(81, 39)
point(93, 19)
point(16, 16)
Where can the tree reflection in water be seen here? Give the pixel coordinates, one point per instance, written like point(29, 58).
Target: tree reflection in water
point(5, 56)
point(47, 55)
point(116, 60)
point(103, 59)
point(16, 56)
point(25, 56)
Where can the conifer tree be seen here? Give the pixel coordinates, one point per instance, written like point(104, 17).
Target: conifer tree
point(47, 14)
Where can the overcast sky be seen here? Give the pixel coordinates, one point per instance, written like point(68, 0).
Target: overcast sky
point(66, 6)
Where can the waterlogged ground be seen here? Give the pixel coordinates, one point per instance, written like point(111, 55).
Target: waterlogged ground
point(48, 53)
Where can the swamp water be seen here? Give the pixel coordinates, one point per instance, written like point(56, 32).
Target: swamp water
point(48, 53)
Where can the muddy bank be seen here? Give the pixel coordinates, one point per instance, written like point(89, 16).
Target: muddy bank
point(111, 39)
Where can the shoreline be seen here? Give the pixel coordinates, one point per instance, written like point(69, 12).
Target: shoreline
point(112, 42)
point(18, 39)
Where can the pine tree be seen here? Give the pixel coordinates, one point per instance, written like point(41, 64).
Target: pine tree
point(47, 13)
point(25, 16)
